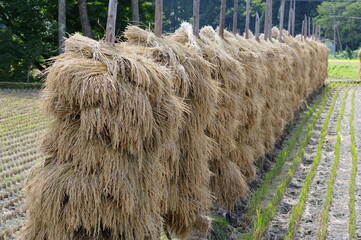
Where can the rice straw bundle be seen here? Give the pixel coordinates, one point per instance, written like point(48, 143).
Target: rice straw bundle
point(189, 196)
point(115, 114)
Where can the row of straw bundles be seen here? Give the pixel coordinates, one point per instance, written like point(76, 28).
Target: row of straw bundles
point(147, 133)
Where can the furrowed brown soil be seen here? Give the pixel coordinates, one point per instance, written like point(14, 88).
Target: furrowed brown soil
point(21, 125)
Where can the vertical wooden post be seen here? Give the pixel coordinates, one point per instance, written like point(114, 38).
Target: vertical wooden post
point(309, 27)
point(135, 12)
point(222, 17)
point(235, 17)
point(319, 32)
point(257, 27)
point(334, 32)
point(339, 38)
point(61, 24)
point(112, 16)
point(196, 4)
point(313, 29)
point(293, 17)
point(303, 28)
point(282, 13)
point(270, 20)
point(248, 16)
point(266, 19)
point(289, 26)
point(158, 28)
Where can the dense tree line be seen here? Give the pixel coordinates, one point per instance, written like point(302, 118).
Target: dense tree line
point(29, 29)
point(345, 18)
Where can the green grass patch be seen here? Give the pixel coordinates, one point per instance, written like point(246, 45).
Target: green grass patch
point(352, 189)
point(266, 214)
point(343, 70)
point(328, 196)
point(297, 210)
point(262, 191)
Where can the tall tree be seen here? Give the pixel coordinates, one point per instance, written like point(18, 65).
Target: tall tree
point(84, 19)
point(61, 24)
point(135, 12)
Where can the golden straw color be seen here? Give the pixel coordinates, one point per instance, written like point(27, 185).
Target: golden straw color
point(189, 196)
point(147, 135)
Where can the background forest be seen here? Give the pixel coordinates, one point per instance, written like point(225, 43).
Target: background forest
point(29, 28)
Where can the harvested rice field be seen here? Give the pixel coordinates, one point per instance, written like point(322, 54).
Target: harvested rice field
point(309, 187)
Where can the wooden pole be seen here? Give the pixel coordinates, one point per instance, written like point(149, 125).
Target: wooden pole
point(293, 17)
point(309, 27)
point(61, 24)
point(282, 13)
point(248, 16)
point(266, 18)
point(135, 12)
point(334, 32)
point(235, 17)
point(257, 26)
point(112, 16)
point(339, 38)
point(303, 28)
point(270, 20)
point(196, 4)
point(313, 29)
point(222, 17)
point(319, 32)
point(158, 28)
point(289, 26)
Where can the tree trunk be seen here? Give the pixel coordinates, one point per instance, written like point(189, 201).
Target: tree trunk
point(112, 16)
point(222, 18)
point(158, 18)
point(135, 12)
point(61, 24)
point(84, 19)
point(235, 17)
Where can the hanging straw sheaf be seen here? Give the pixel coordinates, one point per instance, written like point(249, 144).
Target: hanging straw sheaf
point(146, 135)
point(189, 196)
point(115, 114)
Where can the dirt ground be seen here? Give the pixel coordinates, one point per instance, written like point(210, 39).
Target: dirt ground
point(20, 126)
